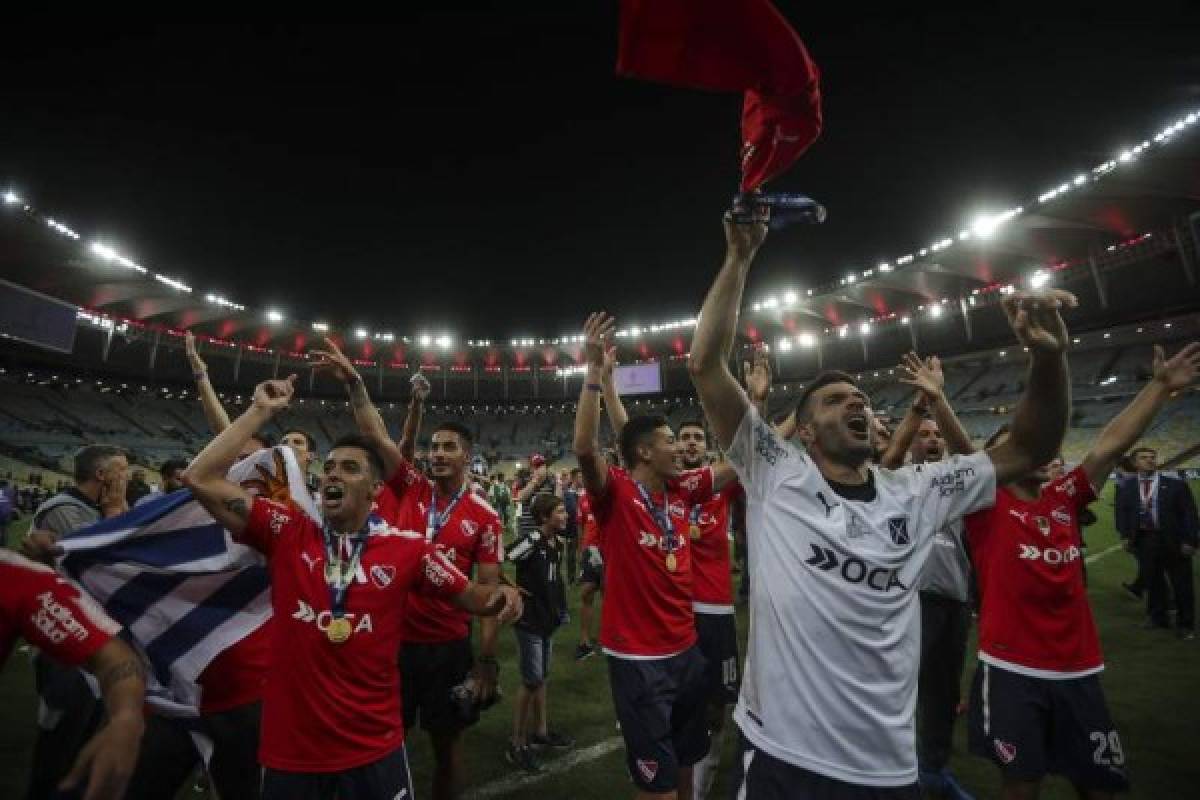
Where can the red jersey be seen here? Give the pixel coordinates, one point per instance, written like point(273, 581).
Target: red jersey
point(51, 613)
point(1034, 615)
point(587, 523)
point(471, 535)
point(712, 578)
point(333, 707)
point(647, 605)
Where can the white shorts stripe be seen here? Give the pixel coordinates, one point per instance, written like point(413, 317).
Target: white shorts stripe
point(747, 758)
point(987, 708)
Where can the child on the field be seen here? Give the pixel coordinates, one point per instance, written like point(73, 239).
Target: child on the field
point(538, 556)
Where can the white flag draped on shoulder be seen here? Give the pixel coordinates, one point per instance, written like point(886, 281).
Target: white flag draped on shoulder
point(178, 583)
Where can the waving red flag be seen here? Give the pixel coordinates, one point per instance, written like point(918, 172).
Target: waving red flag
point(729, 46)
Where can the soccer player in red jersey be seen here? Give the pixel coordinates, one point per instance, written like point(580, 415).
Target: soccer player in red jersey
point(436, 662)
point(64, 624)
point(1037, 706)
point(591, 575)
point(332, 722)
point(647, 629)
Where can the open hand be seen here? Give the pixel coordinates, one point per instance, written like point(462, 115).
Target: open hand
point(925, 376)
point(757, 375)
point(107, 761)
point(598, 333)
point(742, 239)
point(1181, 370)
point(334, 361)
point(420, 386)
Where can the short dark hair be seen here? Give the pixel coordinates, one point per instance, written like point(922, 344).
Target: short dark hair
point(366, 445)
point(693, 422)
point(822, 380)
point(308, 438)
point(170, 465)
point(995, 437)
point(543, 506)
point(1134, 452)
point(88, 459)
point(575, 471)
point(457, 427)
point(635, 433)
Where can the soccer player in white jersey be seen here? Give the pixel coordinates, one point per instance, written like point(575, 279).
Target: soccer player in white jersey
point(829, 685)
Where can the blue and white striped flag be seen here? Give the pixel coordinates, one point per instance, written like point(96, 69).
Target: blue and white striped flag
point(176, 580)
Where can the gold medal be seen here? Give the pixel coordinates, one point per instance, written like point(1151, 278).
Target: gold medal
point(671, 563)
point(339, 630)
point(694, 531)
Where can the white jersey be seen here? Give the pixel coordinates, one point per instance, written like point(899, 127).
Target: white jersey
point(830, 680)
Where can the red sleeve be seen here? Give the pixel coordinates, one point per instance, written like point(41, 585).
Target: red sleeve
point(52, 614)
point(267, 521)
point(696, 485)
point(405, 477)
point(489, 546)
point(1074, 488)
point(438, 576)
point(602, 504)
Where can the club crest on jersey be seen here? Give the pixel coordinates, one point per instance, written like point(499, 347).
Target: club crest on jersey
point(469, 528)
point(1067, 487)
point(1043, 525)
point(1061, 516)
point(648, 769)
point(382, 575)
point(898, 530)
point(1007, 753)
point(691, 483)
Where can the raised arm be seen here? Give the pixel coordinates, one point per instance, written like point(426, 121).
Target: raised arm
point(757, 375)
point(107, 761)
point(205, 476)
point(366, 416)
point(723, 400)
point(214, 412)
point(617, 415)
point(598, 331)
point(927, 377)
point(416, 410)
point(1042, 412)
point(1123, 431)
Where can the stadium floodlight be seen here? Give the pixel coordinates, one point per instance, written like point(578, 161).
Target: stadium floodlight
point(320, 327)
point(984, 225)
point(771, 302)
point(11, 198)
point(885, 267)
point(850, 278)
point(785, 345)
point(789, 297)
point(807, 340)
point(757, 307)
point(104, 251)
point(1039, 279)
point(635, 331)
point(274, 316)
point(361, 333)
point(1080, 180)
point(864, 328)
point(844, 331)
point(935, 311)
point(425, 340)
point(445, 342)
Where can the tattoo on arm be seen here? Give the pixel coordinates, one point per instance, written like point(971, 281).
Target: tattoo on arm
point(237, 505)
point(121, 672)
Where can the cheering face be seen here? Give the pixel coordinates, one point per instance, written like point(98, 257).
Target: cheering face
point(1055, 469)
point(448, 455)
point(348, 488)
point(693, 445)
point(662, 452)
point(839, 423)
point(299, 444)
point(928, 445)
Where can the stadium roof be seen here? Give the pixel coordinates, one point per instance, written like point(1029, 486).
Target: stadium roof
point(1138, 206)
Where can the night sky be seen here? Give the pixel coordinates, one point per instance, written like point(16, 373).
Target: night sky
point(485, 173)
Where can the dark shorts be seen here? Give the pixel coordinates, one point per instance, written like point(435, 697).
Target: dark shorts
point(590, 574)
point(660, 704)
point(386, 778)
point(535, 651)
point(717, 639)
point(428, 673)
point(759, 776)
point(1030, 727)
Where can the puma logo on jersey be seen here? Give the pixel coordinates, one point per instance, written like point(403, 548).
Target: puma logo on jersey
point(1050, 555)
point(1021, 515)
point(309, 561)
point(854, 570)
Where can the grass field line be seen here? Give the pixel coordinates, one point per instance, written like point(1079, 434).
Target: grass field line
point(1092, 559)
point(505, 786)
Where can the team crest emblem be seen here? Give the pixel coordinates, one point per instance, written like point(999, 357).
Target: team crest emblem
point(1061, 516)
point(648, 769)
point(1043, 525)
point(898, 530)
point(1007, 753)
point(382, 575)
point(469, 528)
